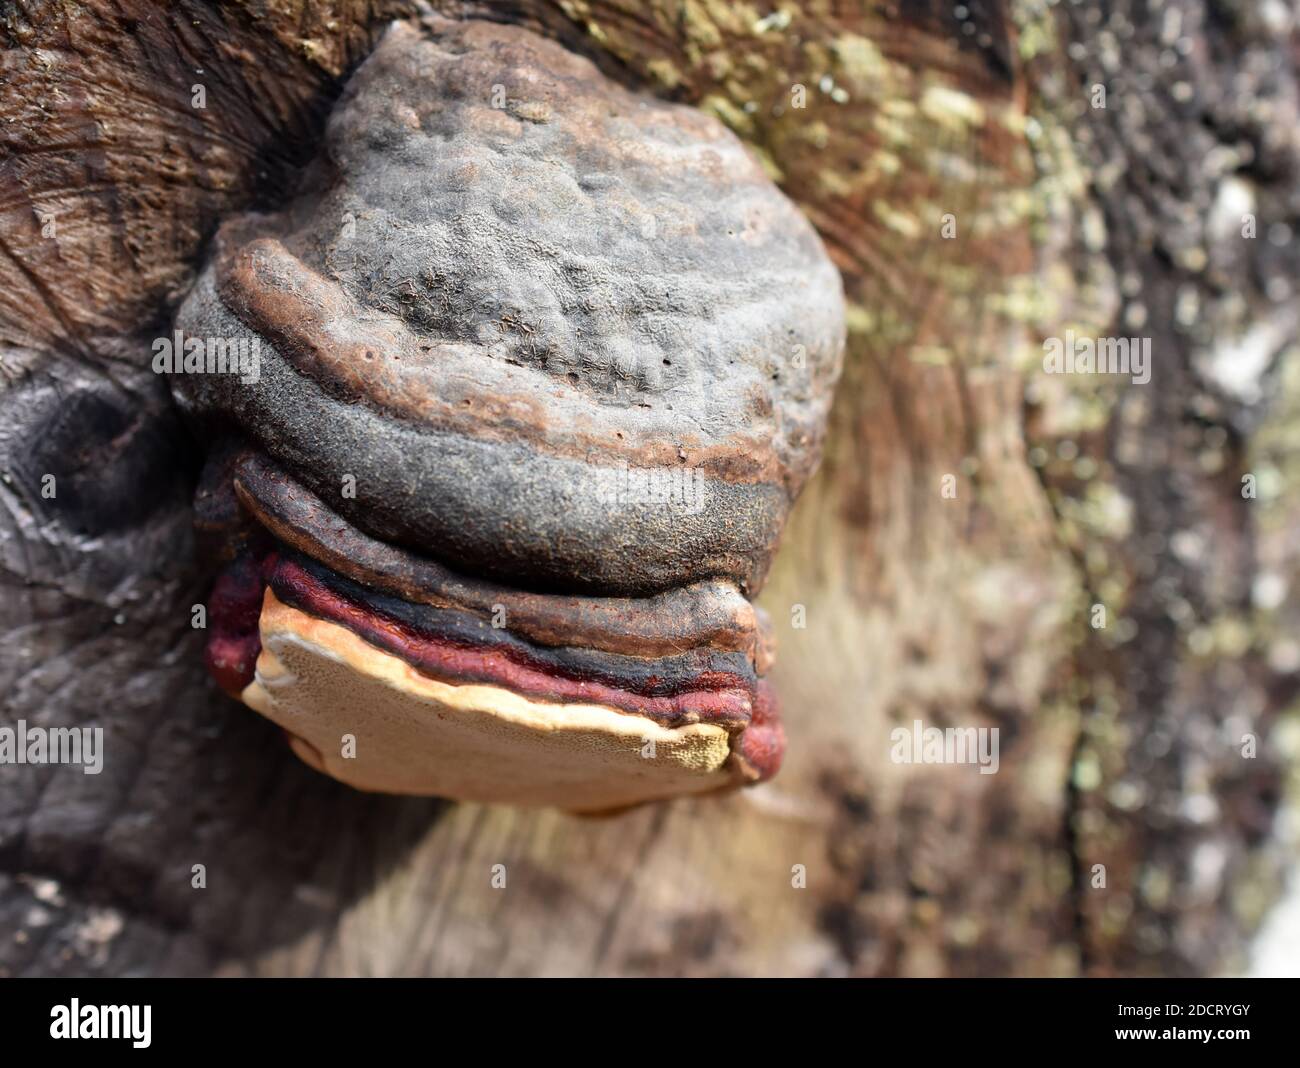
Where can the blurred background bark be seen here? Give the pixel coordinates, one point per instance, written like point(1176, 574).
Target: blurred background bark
point(979, 195)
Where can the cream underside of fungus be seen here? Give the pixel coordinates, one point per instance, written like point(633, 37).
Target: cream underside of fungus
point(417, 735)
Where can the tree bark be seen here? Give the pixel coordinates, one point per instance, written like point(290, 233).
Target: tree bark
point(946, 565)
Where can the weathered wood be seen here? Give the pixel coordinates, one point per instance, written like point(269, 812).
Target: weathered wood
point(1119, 746)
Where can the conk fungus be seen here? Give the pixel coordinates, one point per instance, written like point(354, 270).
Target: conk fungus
point(543, 364)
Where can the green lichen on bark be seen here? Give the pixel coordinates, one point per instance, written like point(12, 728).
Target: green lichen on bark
point(878, 157)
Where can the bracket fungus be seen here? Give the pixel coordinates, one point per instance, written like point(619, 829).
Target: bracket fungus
point(543, 365)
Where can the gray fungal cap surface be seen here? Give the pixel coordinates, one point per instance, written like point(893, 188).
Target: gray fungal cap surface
point(560, 334)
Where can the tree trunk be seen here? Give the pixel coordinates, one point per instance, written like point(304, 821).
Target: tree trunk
point(1098, 567)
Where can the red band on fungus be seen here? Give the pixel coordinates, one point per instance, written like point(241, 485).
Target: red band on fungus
point(455, 663)
point(234, 644)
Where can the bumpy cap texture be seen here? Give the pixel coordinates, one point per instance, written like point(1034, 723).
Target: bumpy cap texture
point(561, 334)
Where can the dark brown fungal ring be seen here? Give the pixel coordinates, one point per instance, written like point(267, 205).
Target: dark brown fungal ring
point(574, 352)
point(709, 613)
